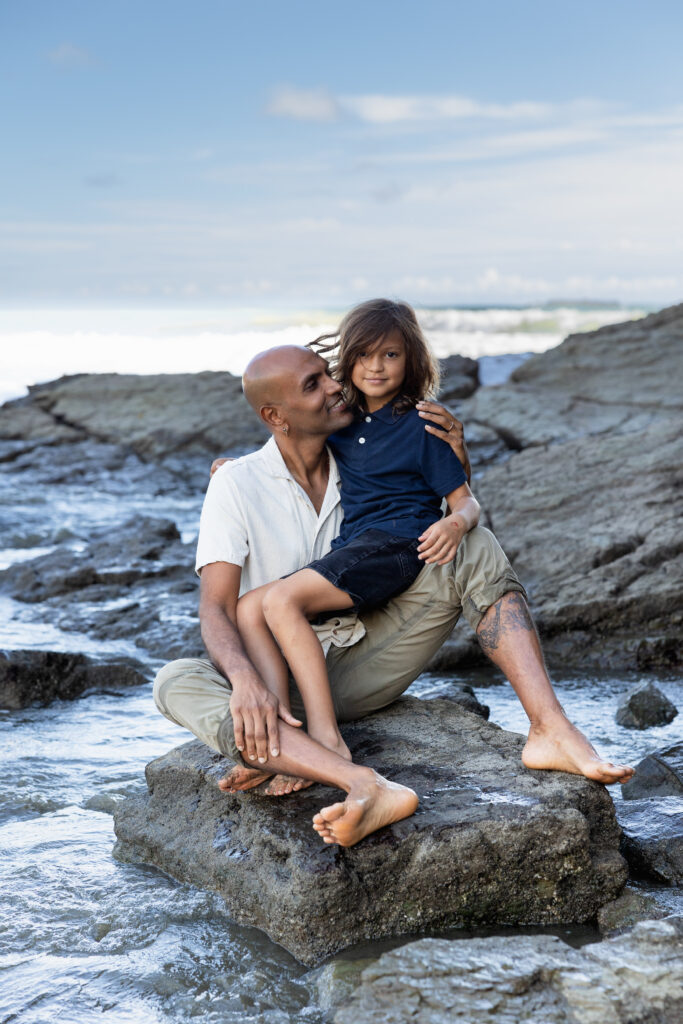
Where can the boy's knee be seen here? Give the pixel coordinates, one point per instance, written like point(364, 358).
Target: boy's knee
point(249, 612)
point(277, 601)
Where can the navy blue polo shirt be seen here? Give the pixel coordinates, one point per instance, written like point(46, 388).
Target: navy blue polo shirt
point(394, 474)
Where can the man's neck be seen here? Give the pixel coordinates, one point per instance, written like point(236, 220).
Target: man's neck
point(307, 461)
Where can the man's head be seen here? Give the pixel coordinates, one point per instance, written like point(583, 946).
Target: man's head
point(291, 390)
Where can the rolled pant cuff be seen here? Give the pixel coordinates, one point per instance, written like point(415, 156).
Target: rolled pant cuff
point(475, 606)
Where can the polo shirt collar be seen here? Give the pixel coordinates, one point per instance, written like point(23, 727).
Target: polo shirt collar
point(278, 467)
point(385, 414)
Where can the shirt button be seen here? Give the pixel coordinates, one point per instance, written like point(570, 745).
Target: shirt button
point(368, 419)
point(361, 440)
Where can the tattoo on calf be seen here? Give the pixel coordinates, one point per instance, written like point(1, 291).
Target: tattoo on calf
point(517, 613)
point(494, 623)
point(490, 628)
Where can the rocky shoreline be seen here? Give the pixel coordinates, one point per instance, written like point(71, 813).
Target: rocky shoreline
point(577, 464)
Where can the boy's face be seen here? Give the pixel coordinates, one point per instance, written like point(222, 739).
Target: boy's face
point(380, 371)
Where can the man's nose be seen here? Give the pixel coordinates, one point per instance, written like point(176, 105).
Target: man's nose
point(333, 386)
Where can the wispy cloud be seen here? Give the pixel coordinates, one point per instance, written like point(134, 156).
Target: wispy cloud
point(304, 104)
point(378, 108)
point(69, 56)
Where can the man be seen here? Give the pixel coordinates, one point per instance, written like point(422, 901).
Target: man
point(271, 513)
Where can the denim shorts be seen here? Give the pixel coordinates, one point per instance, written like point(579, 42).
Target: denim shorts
point(371, 568)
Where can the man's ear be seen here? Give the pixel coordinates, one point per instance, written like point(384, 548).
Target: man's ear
point(270, 414)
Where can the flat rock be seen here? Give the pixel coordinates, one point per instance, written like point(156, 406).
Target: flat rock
point(491, 843)
point(645, 706)
point(635, 978)
point(652, 840)
point(658, 774)
point(39, 677)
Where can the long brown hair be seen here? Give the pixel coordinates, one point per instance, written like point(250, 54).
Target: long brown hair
point(362, 328)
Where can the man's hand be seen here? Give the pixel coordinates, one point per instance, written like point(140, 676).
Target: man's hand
point(255, 712)
point(451, 430)
point(440, 541)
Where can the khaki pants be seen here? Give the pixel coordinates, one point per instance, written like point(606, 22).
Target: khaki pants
point(401, 638)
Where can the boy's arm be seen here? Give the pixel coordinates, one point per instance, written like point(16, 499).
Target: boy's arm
point(440, 541)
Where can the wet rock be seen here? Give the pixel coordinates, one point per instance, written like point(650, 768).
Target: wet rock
point(628, 909)
point(645, 706)
point(658, 774)
point(491, 842)
point(652, 840)
point(335, 983)
point(535, 979)
point(139, 549)
point(39, 677)
point(460, 693)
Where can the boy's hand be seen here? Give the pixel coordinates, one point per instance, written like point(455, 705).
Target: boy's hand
point(216, 464)
point(440, 541)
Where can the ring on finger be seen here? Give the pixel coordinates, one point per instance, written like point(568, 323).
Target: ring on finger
point(451, 426)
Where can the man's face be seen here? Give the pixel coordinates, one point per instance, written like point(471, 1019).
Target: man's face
point(312, 402)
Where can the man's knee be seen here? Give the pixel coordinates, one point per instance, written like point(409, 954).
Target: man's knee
point(166, 679)
point(483, 574)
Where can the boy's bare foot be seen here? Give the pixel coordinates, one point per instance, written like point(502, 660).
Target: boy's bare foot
point(559, 746)
point(369, 806)
point(241, 778)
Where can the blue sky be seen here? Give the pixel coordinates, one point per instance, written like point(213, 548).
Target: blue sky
point(223, 153)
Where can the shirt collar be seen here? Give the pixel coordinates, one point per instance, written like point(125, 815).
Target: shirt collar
point(278, 466)
point(385, 414)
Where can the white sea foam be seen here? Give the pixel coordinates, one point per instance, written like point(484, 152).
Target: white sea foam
point(42, 345)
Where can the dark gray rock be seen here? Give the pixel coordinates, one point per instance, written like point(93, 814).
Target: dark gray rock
point(156, 416)
point(645, 706)
point(598, 415)
point(628, 909)
point(459, 378)
point(635, 978)
point(39, 677)
point(652, 840)
point(491, 842)
point(135, 583)
point(658, 774)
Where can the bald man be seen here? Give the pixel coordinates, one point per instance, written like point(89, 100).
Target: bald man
point(274, 511)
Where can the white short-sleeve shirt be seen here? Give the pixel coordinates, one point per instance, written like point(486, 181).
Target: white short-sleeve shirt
point(256, 515)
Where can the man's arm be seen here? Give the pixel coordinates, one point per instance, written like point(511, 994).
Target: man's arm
point(440, 541)
point(254, 708)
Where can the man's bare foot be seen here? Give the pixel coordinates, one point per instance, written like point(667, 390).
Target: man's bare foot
point(281, 785)
point(369, 806)
point(559, 746)
point(241, 778)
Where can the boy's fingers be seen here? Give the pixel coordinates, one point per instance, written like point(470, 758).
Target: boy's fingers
point(288, 717)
